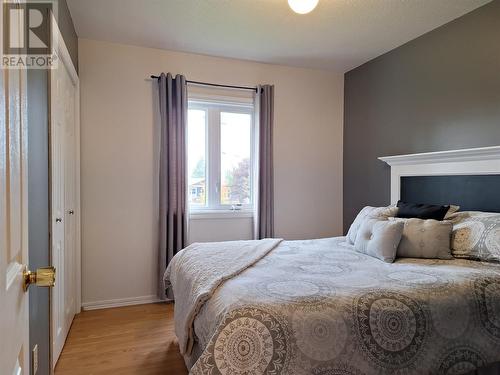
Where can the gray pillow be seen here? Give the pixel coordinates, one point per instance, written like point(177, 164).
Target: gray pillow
point(379, 238)
point(425, 239)
point(367, 212)
point(476, 235)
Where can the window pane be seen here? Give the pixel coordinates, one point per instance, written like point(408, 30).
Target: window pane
point(197, 157)
point(235, 145)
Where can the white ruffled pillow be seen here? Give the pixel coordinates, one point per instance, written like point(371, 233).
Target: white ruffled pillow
point(369, 212)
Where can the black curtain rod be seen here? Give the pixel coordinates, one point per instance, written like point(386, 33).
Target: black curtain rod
point(216, 85)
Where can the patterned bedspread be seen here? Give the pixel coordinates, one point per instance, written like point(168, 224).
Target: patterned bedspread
point(318, 307)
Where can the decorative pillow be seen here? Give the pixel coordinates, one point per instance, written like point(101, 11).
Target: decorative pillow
point(452, 210)
point(379, 238)
point(366, 212)
point(421, 211)
point(425, 239)
point(458, 217)
point(476, 235)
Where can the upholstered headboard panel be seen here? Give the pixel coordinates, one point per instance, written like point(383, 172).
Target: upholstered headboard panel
point(470, 192)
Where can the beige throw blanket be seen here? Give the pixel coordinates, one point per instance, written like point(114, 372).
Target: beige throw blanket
point(197, 271)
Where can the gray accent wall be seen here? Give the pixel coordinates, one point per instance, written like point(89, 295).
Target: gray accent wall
point(438, 92)
point(38, 212)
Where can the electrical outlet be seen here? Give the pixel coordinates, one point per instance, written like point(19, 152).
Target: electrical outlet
point(35, 359)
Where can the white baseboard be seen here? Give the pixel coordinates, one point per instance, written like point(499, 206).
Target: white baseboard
point(119, 302)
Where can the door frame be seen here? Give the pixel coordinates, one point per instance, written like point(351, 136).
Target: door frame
point(64, 58)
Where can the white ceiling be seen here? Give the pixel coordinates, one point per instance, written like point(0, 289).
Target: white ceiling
point(337, 35)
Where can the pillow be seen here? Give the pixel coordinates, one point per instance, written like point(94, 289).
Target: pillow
point(458, 217)
point(425, 239)
point(451, 211)
point(421, 211)
point(476, 235)
point(366, 212)
point(379, 238)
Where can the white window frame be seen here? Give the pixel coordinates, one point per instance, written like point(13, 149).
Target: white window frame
point(213, 108)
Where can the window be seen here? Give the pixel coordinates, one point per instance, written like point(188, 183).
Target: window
point(220, 155)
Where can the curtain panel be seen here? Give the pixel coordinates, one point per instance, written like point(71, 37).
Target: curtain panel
point(173, 213)
point(264, 171)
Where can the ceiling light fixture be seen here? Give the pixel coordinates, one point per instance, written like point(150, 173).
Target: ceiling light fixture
point(302, 6)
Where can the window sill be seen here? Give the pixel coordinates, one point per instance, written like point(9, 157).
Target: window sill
point(220, 214)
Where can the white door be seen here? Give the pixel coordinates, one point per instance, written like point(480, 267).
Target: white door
point(59, 329)
point(69, 205)
point(64, 122)
point(14, 343)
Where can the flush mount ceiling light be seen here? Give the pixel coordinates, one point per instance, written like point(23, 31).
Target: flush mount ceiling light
point(302, 6)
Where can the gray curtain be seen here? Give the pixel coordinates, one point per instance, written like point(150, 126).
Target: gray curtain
point(264, 187)
point(172, 191)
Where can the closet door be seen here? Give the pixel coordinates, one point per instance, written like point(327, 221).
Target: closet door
point(65, 195)
point(59, 255)
point(69, 202)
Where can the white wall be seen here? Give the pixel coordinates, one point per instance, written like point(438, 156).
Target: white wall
point(220, 229)
point(118, 171)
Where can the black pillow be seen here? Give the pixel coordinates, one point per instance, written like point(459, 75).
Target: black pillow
point(421, 211)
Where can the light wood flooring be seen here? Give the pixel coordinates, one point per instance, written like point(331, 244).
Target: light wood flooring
point(124, 340)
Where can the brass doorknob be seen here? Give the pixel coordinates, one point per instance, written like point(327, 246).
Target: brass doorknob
point(43, 277)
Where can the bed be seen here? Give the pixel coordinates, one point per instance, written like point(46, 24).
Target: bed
point(320, 307)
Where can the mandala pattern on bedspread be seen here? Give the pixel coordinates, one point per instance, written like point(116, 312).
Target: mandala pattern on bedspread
point(451, 320)
point(302, 292)
point(338, 369)
point(488, 301)
point(251, 341)
point(321, 333)
point(461, 360)
point(392, 328)
point(425, 280)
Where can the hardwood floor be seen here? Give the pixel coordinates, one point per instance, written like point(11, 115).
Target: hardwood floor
point(124, 340)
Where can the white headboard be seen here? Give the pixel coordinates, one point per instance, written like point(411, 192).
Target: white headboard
point(472, 161)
